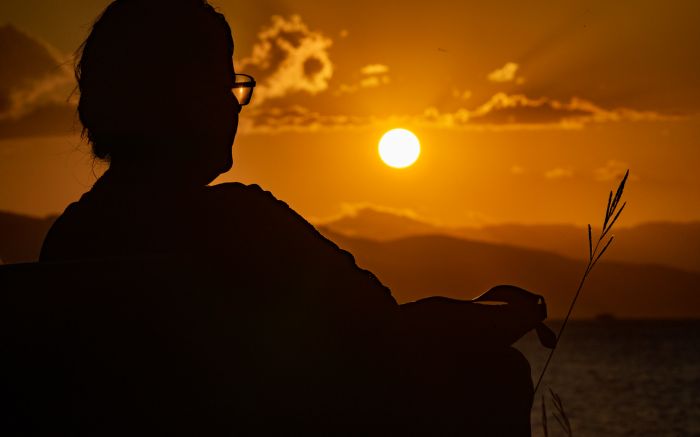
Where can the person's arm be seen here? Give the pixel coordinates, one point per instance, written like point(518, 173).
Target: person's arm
point(300, 251)
point(286, 245)
point(468, 322)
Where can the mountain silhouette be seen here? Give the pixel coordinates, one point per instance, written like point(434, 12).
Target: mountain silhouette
point(671, 244)
point(383, 225)
point(21, 237)
point(417, 266)
point(414, 267)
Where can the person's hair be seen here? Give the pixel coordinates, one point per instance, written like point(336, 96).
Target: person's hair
point(139, 65)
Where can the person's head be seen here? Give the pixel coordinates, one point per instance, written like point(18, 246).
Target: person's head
point(155, 81)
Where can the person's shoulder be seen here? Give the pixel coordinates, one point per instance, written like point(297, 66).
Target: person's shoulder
point(229, 189)
point(236, 193)
point(260, 207)
point(62, 231)
point(71, 217)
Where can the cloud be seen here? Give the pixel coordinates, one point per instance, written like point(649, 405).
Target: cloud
point(500, 112)
point(36, 82)
point(32, 74)
point(292, 58)
point(50, 90)
point(354, 209)
point(385, 222)
point(52, 119)
point(297, 118)
point(433, 116)
point(504, 74)
point(374, 81)
point(613, 170)
point(374, 221)
point(374, 69)
point(289, 58)
point(506, 112)
point(377, 75)
point(559, 173)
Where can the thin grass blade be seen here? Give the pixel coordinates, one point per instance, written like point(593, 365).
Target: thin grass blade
point(615, 219)
point(561, 417)
point(604, 249)
point(555, 398)
point(592, 252)
point(544, 418)
point(566, 421)
point(620, 189)
point(560, 421)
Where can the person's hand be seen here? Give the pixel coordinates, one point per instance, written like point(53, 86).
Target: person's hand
point(529, 306)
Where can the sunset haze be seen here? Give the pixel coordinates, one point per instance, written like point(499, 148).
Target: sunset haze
point(526, 112)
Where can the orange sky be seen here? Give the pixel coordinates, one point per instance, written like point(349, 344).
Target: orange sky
point(526, 111)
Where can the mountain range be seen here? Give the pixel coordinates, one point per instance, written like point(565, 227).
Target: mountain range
point(416, 261)
point(421, 266)
point(674, 245)
point(21, 237)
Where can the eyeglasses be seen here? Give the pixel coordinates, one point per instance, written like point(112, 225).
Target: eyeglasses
point(243, 88)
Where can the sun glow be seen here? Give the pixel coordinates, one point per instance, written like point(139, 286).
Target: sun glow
point(399, 148)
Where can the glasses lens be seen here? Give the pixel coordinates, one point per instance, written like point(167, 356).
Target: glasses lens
point(243, 88)
point(243, 94)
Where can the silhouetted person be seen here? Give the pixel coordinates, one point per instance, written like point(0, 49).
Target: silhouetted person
point(156, 102)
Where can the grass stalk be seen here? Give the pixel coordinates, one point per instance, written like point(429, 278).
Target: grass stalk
point(560, 414)
point(544, 418)
point(594, 255)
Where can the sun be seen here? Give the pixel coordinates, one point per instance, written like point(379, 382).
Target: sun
point(399, 148)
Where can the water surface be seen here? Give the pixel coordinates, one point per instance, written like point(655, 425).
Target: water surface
point(622, 378)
